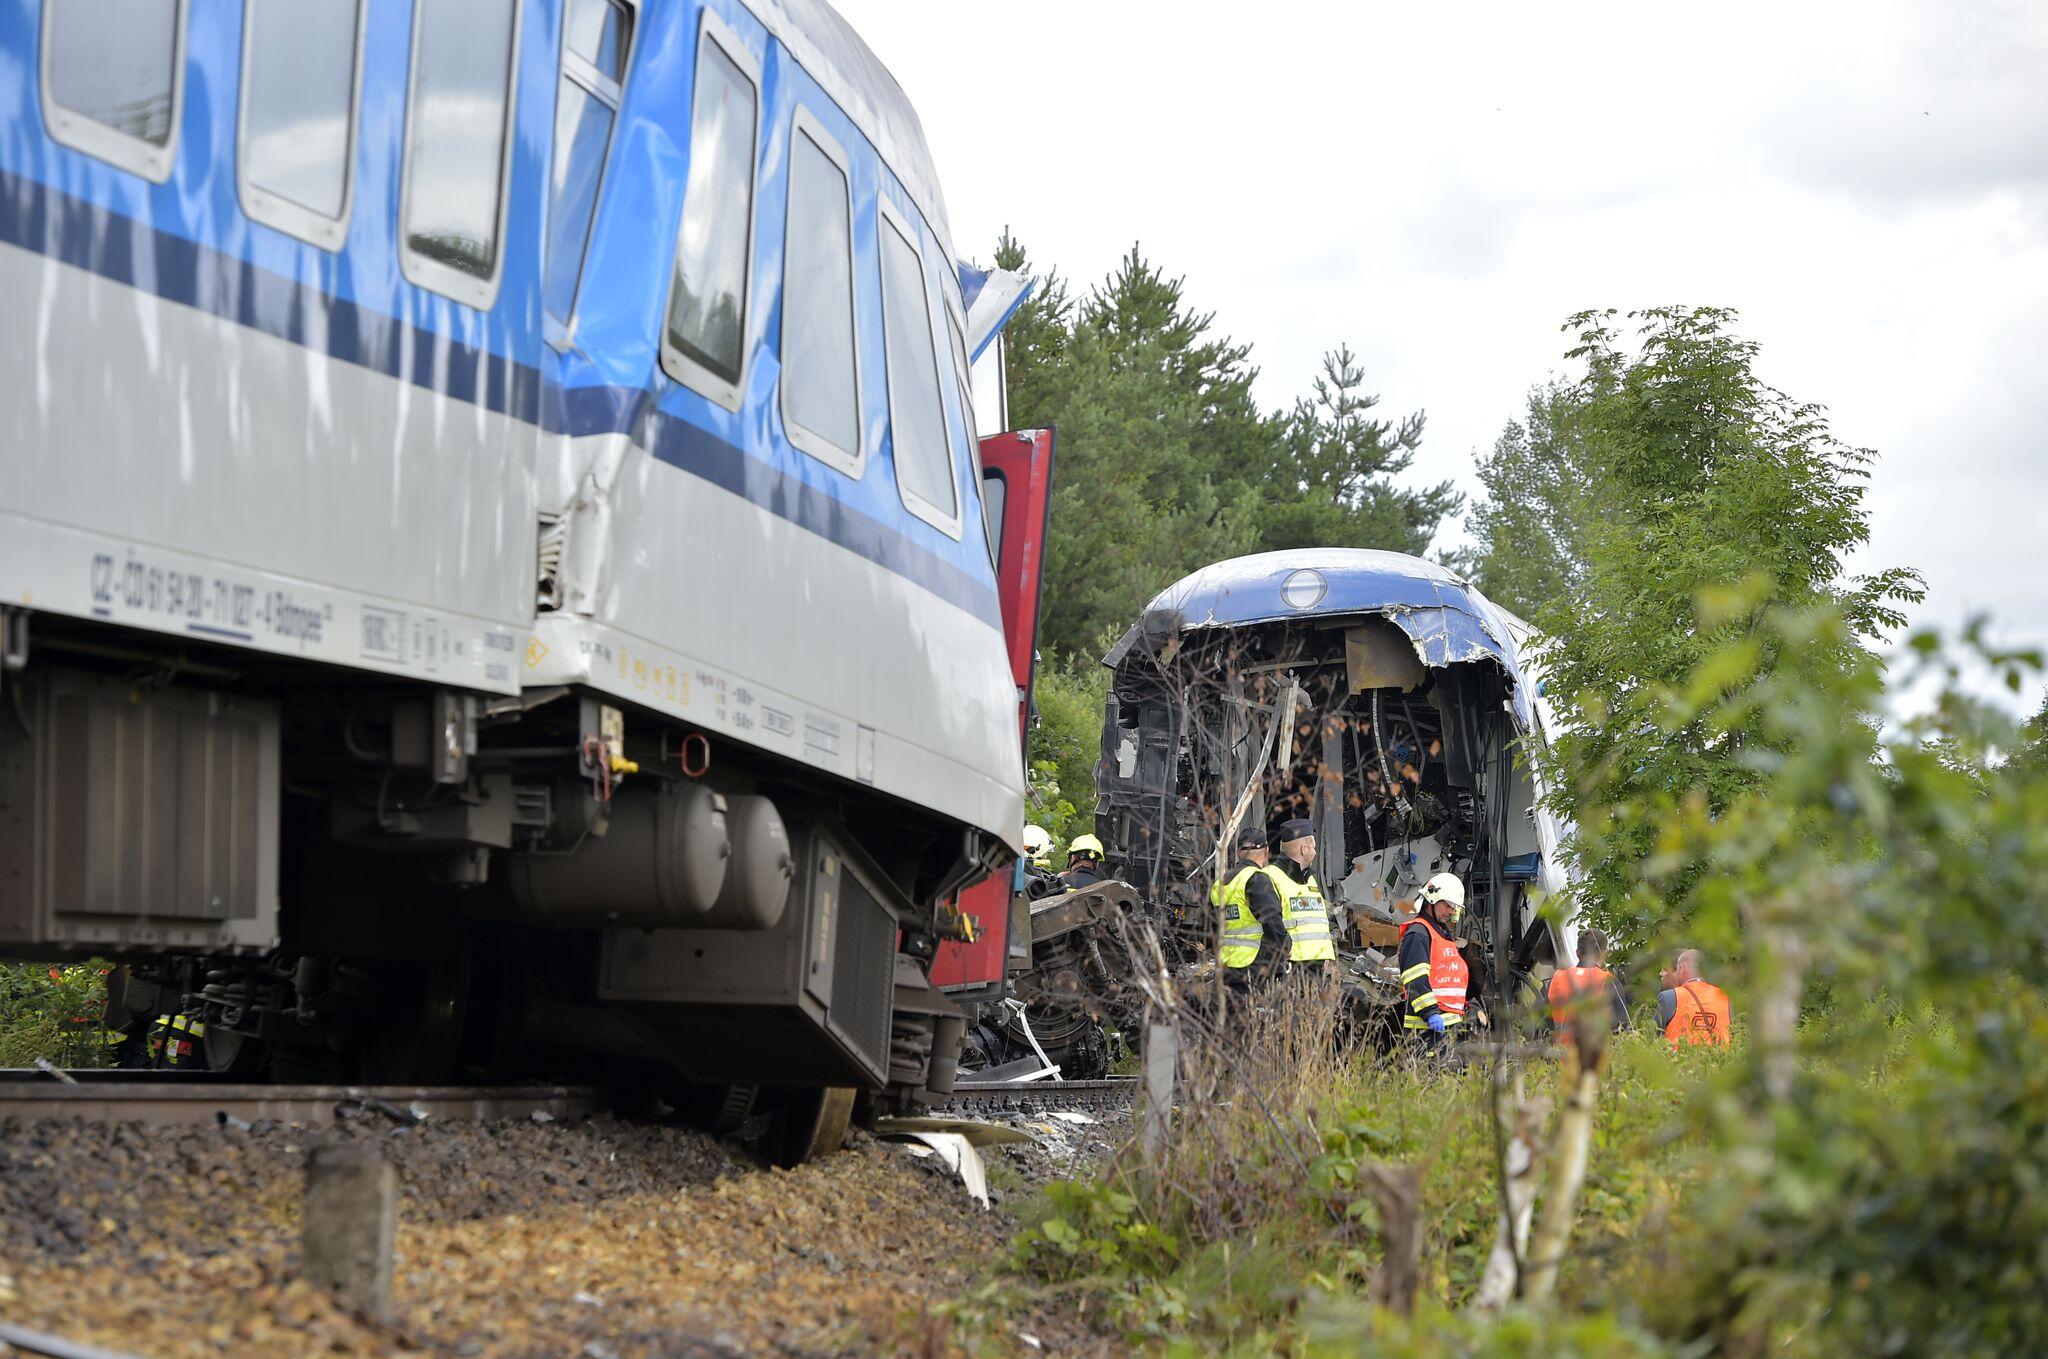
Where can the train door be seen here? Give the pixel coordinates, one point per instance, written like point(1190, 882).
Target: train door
point(1016, 490)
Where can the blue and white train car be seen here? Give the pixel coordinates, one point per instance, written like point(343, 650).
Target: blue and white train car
point(1413, 712)
point(491, 487)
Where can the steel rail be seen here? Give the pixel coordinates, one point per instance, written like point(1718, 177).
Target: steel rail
point(160, 1097)
point(25, 1341)
point(1031, 1096)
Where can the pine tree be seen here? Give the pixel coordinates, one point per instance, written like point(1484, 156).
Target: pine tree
point(1148, 406)
point(1333, 483)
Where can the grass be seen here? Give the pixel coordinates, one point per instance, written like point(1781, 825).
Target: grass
point(1260, 1232)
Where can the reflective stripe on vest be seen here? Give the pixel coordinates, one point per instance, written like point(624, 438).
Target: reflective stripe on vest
point(1702, 1016)
point(1308, 921)
point(1569, 989)
point(1239, 946)
point(1448, 979)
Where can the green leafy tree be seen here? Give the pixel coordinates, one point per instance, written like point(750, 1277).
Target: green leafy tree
point(2030, 745)
point(1875, 1188)
point(1710, 483)
point(1333, 481)
point(1066, 740)
point(1541, 494)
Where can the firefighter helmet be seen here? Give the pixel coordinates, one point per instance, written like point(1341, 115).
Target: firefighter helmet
point(1445, 887)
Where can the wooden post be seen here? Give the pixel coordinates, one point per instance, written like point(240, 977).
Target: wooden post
point(351, 1223)
point(1521, 1126)
point(1568, 1159)
point(1162, 1054)
point(1397, 1190)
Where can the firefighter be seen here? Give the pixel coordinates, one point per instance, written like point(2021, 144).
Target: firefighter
point(1692, 1012)
point(1434, 974)
point(1038, 848)
point(1308, 915)
point(1253, 897)
point(175, 1041)
point(1084, 862)
point(1588, 984)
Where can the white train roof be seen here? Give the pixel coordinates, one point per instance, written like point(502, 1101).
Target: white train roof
point(836, 57)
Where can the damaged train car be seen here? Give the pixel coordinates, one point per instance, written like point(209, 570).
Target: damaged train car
point(1380, 696)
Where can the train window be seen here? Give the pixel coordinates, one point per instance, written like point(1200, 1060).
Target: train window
point(458, 141)
point(599, 32)
point(596, 37)
point(995, 495)
point(300, 60)
point(917, 417)
point(113, 80)
point(704, 337)
point(960, 375)
point(820, 398)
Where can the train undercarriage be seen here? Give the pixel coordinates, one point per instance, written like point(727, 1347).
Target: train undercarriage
point(337, 878)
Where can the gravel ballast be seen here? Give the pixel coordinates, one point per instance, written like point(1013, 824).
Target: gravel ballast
point(600, 1239)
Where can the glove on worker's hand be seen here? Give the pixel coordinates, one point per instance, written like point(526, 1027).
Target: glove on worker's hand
point(1436, 1021)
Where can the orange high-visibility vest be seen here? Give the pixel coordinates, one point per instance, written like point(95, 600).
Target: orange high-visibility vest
point(1703, 1017)
point(1449, 976)
point(1568, 988)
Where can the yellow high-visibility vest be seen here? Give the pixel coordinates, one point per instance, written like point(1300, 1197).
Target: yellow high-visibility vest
point(1239, 946)
point(1308, 921)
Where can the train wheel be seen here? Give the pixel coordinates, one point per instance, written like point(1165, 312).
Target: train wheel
point(809, 1124)
point(416, 1038)
point(231, 1053)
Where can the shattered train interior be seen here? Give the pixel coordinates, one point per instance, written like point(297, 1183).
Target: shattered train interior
point(1377, 695)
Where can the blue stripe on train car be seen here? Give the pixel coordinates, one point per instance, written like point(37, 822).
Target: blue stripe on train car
point(128, 231)
point(46, 222)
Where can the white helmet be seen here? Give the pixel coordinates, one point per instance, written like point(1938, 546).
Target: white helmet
point(1445, 887)
point(1037, 842)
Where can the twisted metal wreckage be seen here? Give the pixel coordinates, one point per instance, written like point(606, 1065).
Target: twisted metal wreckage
point(1376, 694)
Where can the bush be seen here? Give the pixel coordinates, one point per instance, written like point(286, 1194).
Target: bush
point(1089, 1230)
point(1066, 740)
point(53, 1013)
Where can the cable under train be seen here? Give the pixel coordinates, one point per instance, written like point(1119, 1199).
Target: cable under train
point(497, 566)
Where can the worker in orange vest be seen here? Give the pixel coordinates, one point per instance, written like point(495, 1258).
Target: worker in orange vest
point(1572, 989)
point(1692, 1012)
point(1434, 975)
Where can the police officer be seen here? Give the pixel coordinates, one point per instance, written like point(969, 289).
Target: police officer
point(1253, 897)
point(1434, 976)
point(1084, 863)
point(1308, 915)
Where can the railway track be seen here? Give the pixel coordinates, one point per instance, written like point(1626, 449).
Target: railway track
point(185, 1097)
point(24, 1341)
point(970, 1096)
point(106, 1096)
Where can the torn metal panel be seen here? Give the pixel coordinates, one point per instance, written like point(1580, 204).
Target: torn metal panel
point(1445, 617)
point(991, 297)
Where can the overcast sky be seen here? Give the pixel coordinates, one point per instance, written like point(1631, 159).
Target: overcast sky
point(1441, 185)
